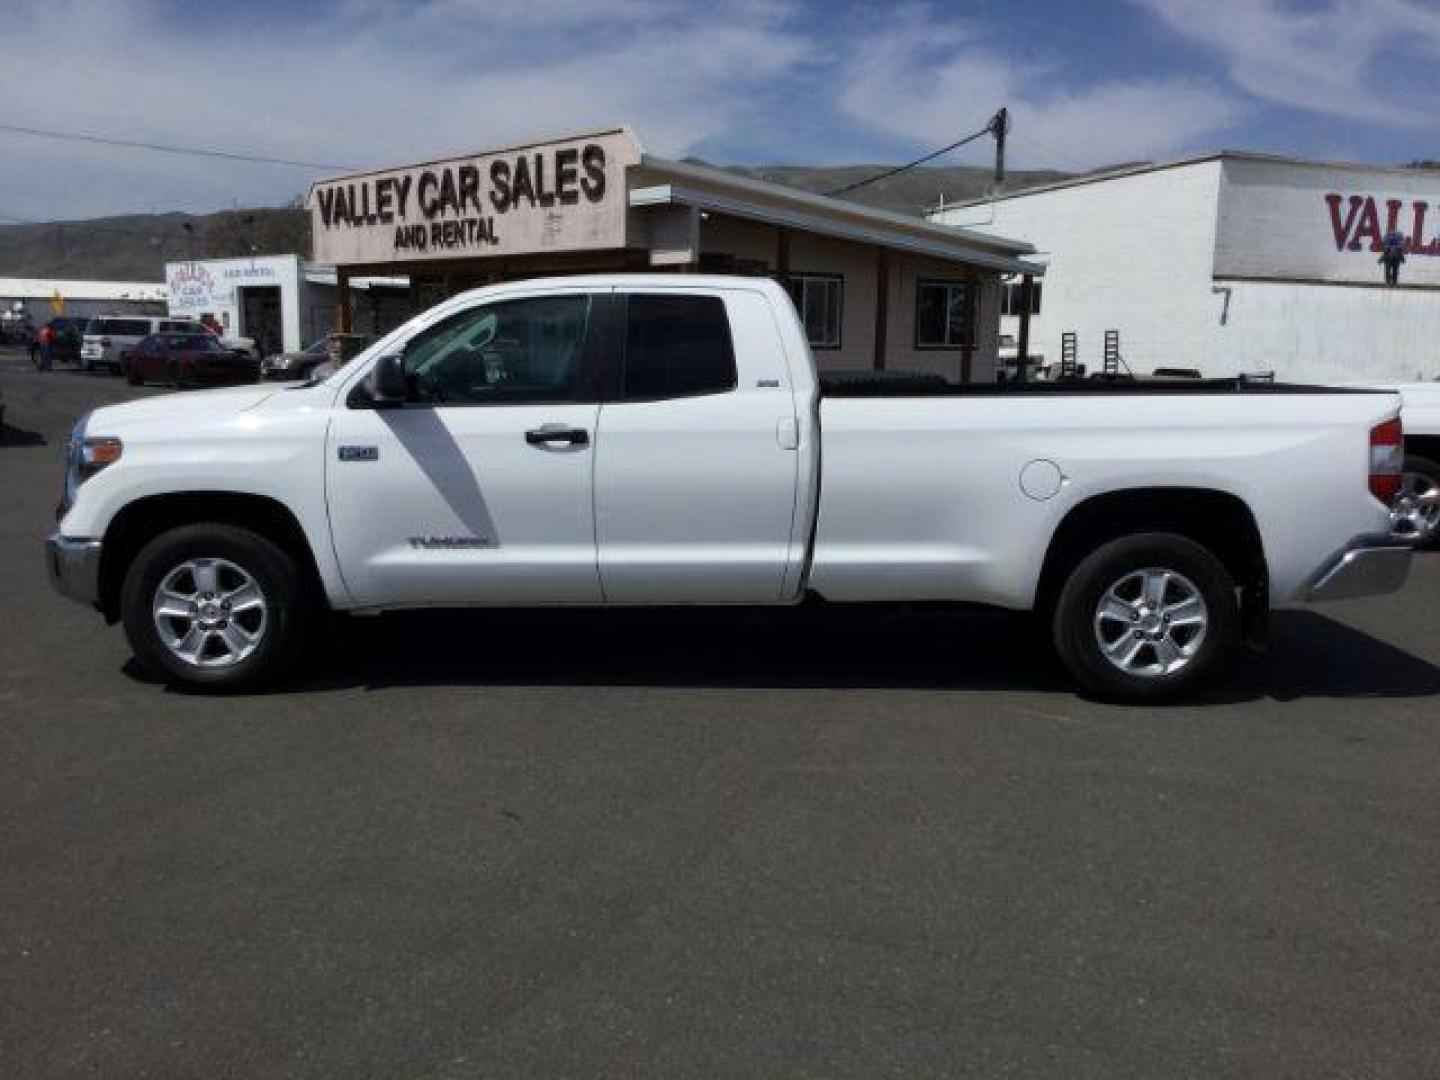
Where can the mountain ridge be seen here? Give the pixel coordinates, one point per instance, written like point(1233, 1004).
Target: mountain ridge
point(136, 247)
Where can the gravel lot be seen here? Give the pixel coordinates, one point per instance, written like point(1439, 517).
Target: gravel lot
point(856, 844)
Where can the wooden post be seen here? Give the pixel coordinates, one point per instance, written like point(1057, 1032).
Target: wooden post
point(1022, 351)
point(342, 300)
point(967, 341)
point(782, 255)
point(882, 304)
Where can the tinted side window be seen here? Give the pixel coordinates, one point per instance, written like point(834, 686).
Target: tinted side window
point(193, 342)
point(121, 327)
point(676, 346)
point(509, 352)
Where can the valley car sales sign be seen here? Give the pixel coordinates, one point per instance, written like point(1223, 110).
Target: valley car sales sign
point(567, 195)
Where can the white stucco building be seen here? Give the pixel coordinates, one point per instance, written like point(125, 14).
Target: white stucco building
point(1234, 263)
point(281, 301)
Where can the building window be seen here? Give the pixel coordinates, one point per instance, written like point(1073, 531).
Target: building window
point(940, 314)
point(820, 300)
point(1010, 298)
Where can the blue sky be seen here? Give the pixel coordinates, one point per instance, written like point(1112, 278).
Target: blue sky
point(374, 82)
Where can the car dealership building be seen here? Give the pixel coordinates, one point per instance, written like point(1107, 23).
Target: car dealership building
point(1235, 263)
point(876, 290)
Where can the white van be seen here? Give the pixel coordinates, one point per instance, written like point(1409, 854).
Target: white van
point(109, 335)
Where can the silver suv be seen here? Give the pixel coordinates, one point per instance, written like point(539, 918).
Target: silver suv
point(106, 336)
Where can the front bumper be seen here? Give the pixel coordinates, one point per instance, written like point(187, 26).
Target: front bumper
point(74, 567)
point(1369, 566)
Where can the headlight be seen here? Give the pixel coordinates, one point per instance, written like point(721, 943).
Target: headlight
point(85, 455)
point(97, 451)
point(72, 467)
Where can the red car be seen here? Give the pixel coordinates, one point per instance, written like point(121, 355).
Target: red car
point(187, 360)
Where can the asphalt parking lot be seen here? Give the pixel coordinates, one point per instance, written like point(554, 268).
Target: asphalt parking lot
point(781, 845)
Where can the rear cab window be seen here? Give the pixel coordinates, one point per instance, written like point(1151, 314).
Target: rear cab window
point(676, 346)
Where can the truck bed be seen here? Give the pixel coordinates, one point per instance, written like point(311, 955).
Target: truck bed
point(896, 384)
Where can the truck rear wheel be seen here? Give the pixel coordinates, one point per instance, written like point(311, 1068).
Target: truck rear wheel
point(1146, 618)
point(215, 607)
point(1415, 513)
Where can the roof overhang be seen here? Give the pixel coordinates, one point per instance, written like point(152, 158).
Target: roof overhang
point(716, 191)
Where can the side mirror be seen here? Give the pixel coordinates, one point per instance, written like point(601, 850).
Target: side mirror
point(387, 384)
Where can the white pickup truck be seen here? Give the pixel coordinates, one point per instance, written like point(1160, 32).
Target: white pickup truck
point(659, 440)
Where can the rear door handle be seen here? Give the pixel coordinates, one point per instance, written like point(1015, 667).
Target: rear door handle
point(557, 433)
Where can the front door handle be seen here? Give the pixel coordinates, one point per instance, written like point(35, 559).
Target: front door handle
point(557, 433)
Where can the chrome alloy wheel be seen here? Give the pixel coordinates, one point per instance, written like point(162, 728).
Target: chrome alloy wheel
point(209, 613)
point(1151, 622)
point(1415, 513)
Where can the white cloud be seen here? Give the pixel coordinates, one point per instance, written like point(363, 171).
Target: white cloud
point(935, 83)
point(1325, 59)
point(374, 83)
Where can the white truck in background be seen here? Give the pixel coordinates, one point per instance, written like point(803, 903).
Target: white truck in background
point(665, 440)
point(1417, 507)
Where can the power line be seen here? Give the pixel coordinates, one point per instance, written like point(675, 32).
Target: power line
point(162, 148)
point(990, 128)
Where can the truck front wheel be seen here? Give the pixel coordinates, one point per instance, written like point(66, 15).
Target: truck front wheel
point(215, 607)
point(1146, 618)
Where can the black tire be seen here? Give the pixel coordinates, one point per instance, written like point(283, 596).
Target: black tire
point(289, 605)
point(130, 376)
point(1077, 639)
point(1429, 469)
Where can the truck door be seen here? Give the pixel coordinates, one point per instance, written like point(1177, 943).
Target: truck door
point(696, 468)
point(479, 489)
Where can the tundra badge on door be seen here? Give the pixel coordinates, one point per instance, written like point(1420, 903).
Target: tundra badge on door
point(359, 453)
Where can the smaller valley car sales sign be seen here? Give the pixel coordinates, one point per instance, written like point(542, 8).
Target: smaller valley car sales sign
point(568, 195)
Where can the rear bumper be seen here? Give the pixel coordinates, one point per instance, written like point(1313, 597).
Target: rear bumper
point(74, 567)
point(1369, 566)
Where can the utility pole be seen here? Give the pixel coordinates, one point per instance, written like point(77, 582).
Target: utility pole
point(1000, 127)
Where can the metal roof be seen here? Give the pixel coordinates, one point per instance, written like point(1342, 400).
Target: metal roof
point(1140, 168)
point(659, 181)
point(44, 288)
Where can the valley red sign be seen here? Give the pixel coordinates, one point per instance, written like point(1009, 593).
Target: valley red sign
point(1361, 222)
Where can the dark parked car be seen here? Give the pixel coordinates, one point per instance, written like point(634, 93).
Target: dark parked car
point(332, 348)
point(187, 360)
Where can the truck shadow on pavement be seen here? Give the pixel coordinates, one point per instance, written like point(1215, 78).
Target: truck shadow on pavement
point(12, 437)
point(826, 648)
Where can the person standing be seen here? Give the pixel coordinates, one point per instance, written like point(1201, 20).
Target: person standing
point(1392, 254)
point(47, 347)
